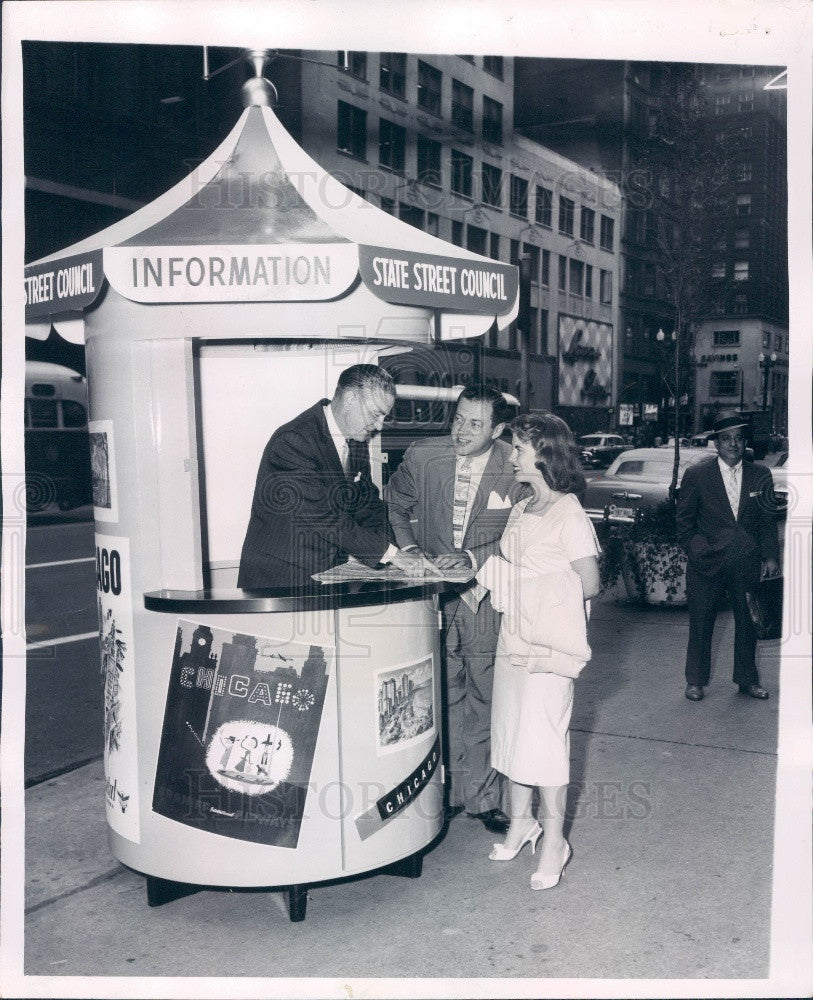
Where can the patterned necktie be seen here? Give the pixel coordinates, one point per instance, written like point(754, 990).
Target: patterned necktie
point(344, 455)
point(461, 501)
point(731, 490)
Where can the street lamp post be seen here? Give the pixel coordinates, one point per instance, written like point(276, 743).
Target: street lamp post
point(766, 362)
point(660, 336)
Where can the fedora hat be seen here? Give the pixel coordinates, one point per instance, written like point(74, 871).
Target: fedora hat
point(727, 421)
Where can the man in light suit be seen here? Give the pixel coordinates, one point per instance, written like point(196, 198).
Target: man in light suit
point(314, 500)
point(726, 522)
point(450, 499)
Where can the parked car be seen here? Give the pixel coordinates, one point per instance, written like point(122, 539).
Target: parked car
point(779, 474)
point(600, 450)
point(702, 440)
point(637, 480)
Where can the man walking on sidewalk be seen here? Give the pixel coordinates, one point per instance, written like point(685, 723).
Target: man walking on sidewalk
point(727, 525)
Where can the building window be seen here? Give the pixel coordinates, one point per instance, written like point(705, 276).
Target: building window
point(607, 233)
point(742, 239)
point(726, 338)
point(391, 145)
point(462, 106)
point(352, 130)
point(743, 204)
point(562, 273)
point(743, 171)
point(387, 205)
point(543, 331)
point(576, 277)
point(567, 209)
point(457, 233)
point(722, 104)
point(494, 246)
point(519, 196)
point(544, 278)
point(739, 306)
point(588, 225)
point(428, 161)
point(354, 63)
point(606, 287)
point(477, 240)
point(718, 269)
point(745, 102)
point(493, 65)
point(492, 183)
point(766, 340)
point(461, 173)
point(409, 213)
point(544, 207)
point(648, 280)
point(468, 59)
point(492, 121)
point(392, 73)
point(514, 252)
point(429, 84)
point(724, 383)
point(588, 281)
point(433, 224)
point(741, 270)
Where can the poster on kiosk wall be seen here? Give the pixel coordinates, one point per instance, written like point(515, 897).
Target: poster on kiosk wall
point(117, 658)
point(240, 728)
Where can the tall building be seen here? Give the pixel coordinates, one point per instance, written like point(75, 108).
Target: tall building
point(604, 115)
point(428, 138)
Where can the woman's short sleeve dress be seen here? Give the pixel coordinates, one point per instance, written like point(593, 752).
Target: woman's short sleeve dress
point(530, 713)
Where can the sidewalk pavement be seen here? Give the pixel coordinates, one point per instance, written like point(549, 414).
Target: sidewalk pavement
point(672, 831)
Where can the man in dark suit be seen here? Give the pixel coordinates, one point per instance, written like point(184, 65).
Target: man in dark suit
point(314, 500)
point(450, 499)
point(727, 525)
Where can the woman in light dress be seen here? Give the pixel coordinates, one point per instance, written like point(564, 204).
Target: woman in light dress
point(530, 713)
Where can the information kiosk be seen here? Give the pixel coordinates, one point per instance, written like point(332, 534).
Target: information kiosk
point(275, 739)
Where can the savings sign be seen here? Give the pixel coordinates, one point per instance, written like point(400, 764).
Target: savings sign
point(417, 279)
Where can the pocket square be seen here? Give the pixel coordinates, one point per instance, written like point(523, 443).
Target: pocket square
point(496, 502)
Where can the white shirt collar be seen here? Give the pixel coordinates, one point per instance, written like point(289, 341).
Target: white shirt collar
point(339, 439)
point(729, 469)
point(478, 462)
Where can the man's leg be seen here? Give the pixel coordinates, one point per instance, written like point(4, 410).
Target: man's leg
point(745, 636)
point(478, 642)
point(704, 594)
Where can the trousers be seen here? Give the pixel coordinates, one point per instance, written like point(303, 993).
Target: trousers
point(470, 641)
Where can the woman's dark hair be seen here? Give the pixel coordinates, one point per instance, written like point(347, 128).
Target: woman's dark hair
point(557, 456)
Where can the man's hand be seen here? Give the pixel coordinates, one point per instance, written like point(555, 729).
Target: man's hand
point(414, 563)
point(453, 560)
point(770, 567)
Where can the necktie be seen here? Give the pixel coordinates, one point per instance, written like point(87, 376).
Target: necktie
point(731, 490)
point(461, 501)
point(357, 457)
point(344, 455)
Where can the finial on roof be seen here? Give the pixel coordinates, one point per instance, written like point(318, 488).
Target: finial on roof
point(258, 91)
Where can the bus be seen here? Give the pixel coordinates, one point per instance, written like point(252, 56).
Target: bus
point(57, 453)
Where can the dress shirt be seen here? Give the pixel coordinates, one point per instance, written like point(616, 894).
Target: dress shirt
point(732, 479)
point(343, 451)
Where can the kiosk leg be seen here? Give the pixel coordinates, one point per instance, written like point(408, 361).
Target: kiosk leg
point(162, 890)
point(410, 867)
point(297, 902)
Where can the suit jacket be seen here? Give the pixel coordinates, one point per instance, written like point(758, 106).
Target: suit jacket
point(420, 497)
point(707, 529)
point(306, 515)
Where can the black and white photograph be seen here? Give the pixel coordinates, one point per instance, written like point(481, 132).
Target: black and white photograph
point(406, 461)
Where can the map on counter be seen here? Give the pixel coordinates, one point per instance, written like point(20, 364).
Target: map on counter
point(354, 570)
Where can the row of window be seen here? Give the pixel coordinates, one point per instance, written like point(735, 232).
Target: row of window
point(731, 338)
point(352, 139)
point(392, 79)
point(726, 103)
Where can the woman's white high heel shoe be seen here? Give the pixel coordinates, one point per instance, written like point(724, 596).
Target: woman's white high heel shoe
point(502, 853)
point(540, 881)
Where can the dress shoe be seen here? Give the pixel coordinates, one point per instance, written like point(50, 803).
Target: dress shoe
point(540, 881)
point(494, 820)
point(694, 692)
point(503, 853)
point(754, 691)
point(452, 811)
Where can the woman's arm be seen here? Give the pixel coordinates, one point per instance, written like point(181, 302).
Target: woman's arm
point(587, 569)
